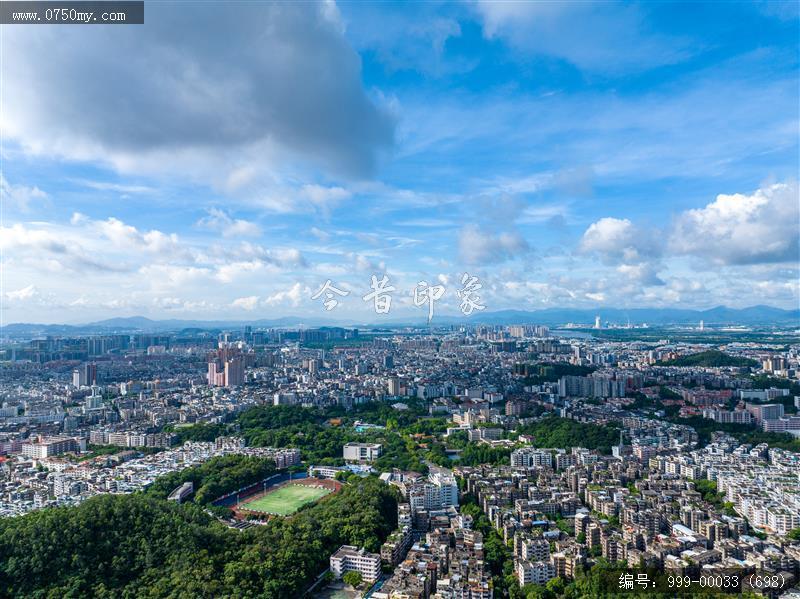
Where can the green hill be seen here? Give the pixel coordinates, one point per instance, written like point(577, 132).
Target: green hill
point(711, 359)
point(142, 546)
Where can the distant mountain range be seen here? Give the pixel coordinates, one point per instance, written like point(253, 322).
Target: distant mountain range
point(721, 315)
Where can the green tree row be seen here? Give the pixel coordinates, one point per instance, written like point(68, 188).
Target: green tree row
point(216, 477)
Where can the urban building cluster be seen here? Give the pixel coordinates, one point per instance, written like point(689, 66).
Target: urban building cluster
point(644, 500)
point(34, 479)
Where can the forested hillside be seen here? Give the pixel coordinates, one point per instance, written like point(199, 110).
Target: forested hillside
point(142, 546)
point(215, 477)
point(711, 359)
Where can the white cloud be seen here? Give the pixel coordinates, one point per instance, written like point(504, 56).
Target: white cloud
point(113, 259)
point(219, 220)
point(78, 218)
point(79, 302)
point(545, 213)
point(479, 246)
point(233, 271)
point(605, 37)
point(126, 236)
point(320, 234)
point(206, 98)
point(246, 303)
point(161, 277)
point(364, 264)
point(614, 239)
point(24, 294)
point(115, 187)
point(596, 297)
point(322, 196)
point(281, 257)
point(405, 40)
point(534, 293)
point(290, 257)
point(634, 251)
point(743, 229)
point(290, 297)
point(47, 250)
point(19, 196)
point(645, 273)
point(283, 195)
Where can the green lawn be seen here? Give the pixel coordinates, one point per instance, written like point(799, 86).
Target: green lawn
point(286, 500)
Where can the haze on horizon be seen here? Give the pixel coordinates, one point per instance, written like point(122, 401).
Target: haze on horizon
point(226, 173)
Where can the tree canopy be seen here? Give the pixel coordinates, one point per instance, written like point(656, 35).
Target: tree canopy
point(142, 546)
point(564, 433)
point(215, 477)
point(711, 359)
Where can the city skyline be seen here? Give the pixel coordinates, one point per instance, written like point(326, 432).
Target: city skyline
point(649, 160)
point(488, 299)
point(719, 317)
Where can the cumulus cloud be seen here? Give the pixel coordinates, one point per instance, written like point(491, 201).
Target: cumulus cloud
point(363, 264)
point(634, 252)
point(618, 239)
point(645, 273)
point(47, 250)
point(288, 297)
point(291, 296)
point(219, 220)
point(743, 229)
point(212, 91)
point(19, 196)
point(246, 303)
point(738, 230)
point(126, 236)
point(122, 260)
point(480, 246)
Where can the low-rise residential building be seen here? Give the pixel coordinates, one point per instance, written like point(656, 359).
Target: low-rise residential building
point(349, 558)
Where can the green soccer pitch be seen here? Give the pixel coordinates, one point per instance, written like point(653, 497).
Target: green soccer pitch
point(285, 500)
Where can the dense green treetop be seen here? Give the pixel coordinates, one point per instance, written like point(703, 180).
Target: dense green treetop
point(142, 546)
point(564, 433)
point(216, 477)
point(711, 359)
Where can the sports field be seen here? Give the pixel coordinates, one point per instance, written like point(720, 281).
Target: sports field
point(285, 500)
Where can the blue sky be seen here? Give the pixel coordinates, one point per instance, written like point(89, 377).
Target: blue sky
point(225, 159)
